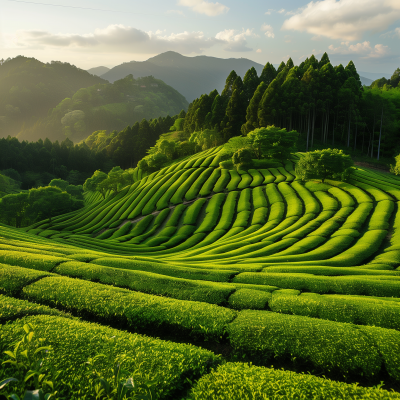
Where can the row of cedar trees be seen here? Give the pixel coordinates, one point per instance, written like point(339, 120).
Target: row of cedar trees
point(323, 102)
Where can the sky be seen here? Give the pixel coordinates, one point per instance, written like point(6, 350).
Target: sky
point(91, 33)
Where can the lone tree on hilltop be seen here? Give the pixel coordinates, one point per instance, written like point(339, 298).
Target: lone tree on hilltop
point(323, 164)
point(273, 142)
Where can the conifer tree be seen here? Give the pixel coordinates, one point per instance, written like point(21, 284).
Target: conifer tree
point(289, 63)
point(324, 60)
point(281, 67)
point(252, 110)
point(268, 74)
point(235, 115)
point(227, 92)
point(250, 83)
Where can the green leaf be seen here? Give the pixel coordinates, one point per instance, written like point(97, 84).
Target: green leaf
point(6, 381)
point(42, 348)
point(32, 395)
point(10, 354)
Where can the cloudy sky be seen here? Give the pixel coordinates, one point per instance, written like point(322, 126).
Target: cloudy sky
point(89, 33)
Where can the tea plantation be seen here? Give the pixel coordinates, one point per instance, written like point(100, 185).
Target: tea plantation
point(216, 284)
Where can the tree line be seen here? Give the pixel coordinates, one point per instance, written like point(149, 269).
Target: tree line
point(325, 104)
point(34, 164)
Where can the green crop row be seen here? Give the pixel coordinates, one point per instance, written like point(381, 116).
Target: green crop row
point(348, 285)
point(154, 364)
point(129, 309)
point(239, 381)
point(352, 309)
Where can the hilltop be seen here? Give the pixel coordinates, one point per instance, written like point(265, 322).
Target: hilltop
point(29, 88)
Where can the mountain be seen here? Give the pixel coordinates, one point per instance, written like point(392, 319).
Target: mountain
point(107, 106)
point(98, 70)
point(365, 81)
point(29, 88)
point(191, 76)
point(375, 75)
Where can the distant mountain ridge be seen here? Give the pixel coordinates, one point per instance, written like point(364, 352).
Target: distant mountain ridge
point(98, 70)
point(190, 76)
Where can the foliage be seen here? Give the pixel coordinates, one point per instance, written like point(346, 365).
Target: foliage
point(273, 142)
point(114, 181)
point(242, 159)
point(48, 201)
point(234, 144)
point(31, 378)
point(324, 164)
point(395, 169)
point(14, 206)
point(206, 139)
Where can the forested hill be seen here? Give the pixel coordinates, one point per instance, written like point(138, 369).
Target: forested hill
point(107, 106)
point(29, 88)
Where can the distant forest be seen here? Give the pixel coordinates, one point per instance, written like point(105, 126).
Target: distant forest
point(35, 164)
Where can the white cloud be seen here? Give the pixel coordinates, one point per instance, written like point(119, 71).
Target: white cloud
point(118, 38)
point(235, 41)
point(397, 30)
point(281, 11)
point(270, 10)
point(344, 19)
point(205, 7)
point(258, 51)
point(268, 30)
point(363, 49)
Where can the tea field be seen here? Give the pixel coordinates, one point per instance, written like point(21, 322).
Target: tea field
point(217, 284)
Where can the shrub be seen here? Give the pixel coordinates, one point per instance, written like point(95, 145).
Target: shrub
point(323, 164)
point(238, 381)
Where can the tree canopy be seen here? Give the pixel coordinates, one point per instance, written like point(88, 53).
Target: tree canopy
point(324, 164)
point(273, 142)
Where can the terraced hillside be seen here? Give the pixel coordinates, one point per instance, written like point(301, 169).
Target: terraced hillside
point(247, 265)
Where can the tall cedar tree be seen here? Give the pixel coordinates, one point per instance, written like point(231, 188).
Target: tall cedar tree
point(268, 74)
point(227, 92)
point(250, 83)
point(252, 110)
point(234, 115)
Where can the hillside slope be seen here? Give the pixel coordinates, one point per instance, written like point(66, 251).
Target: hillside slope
point(252, 264)
point(29, 88)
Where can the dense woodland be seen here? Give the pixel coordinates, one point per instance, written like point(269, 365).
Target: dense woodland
point(37, 163)
point(325, 104)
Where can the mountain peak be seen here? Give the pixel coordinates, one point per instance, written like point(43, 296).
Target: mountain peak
point(169, 58)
